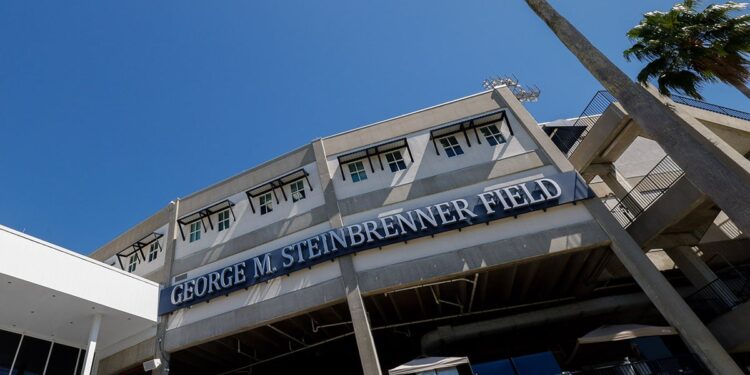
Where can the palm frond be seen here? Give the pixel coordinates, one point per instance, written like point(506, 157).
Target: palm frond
point(685, 47)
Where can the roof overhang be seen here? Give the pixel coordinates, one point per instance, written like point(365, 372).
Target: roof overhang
point(53, 293)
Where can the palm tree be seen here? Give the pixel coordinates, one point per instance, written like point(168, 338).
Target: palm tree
point(712, 166)
point(686, 47)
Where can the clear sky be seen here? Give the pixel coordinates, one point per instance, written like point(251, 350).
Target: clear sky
point(110, 109)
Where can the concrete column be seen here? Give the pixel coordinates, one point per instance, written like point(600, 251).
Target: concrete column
point(616, 181)
point(619, 185)
point(91, 347)
point(368, 354)
point(669, 303)
point(698, 272)
point(163, 321)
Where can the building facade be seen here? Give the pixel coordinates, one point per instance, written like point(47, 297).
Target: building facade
point(464, 229)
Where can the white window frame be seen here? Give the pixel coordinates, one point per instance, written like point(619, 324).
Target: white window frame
point(297, 189)
point(495, 137)
point(451, 146)
point(357, 171)
point(133, 262)
point(265, 203)
point(153, 251)
point(195, 231)
point(222, 220)
point(395, 160)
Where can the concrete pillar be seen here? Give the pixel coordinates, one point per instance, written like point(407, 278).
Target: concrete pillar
point(699, 274)
point(368, 354)
point(91, 347)
point(616, 181)
point(630, 199)
point(163, 321)
point(669, 303)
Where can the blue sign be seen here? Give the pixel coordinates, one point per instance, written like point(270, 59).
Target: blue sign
point(481, 208)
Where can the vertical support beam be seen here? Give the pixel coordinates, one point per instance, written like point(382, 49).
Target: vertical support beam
point(368, 354)
point(615, 181)
point(49, 354)
point(669, 303)
point(620, 186)
point(169, 256)
point(15, 356)
point(91, 347)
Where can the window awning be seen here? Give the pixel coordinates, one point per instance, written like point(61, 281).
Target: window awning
point(279, 183)
point(371, 151)
point(205, 213)
point(471, 124)
point(624, 332)
point(420, 365)
point(137, 247)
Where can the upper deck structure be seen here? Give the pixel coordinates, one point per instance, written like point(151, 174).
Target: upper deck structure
point(422, 234)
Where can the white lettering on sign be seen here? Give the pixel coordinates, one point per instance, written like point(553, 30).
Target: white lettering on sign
point(368, 234)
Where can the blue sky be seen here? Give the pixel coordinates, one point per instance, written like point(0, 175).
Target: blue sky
point(110, 109)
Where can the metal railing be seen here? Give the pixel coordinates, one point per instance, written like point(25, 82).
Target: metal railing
point(730, 229)
point(652, 186)
point(568, 138)
point(711, 107)
point(681, 365)
point(729, 290)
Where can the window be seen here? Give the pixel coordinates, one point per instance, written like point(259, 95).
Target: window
point(395, 161)
point(153, 251)
point(133, 262)
point(357, 171)
point(195, 231)
point(223, 220)
point(451, 146)
point(266, 203)
point(492, 134)
point(298, 190)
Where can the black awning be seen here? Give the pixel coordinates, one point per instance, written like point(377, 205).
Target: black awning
point(205, 213)
point(371, 151)
point(279, 183)
point(137, 247)
point(148, 240)
point(471, 124)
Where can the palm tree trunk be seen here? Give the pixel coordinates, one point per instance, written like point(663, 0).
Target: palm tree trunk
point(709, 163)
point(742, 87)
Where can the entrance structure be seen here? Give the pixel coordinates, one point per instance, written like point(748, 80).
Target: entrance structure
point(457, 230)
point(60, 311)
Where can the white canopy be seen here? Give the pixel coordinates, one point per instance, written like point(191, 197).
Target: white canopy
point(427, 364)
point(624, 332)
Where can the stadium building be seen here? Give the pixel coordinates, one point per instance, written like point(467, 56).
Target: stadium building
point(461, 238)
